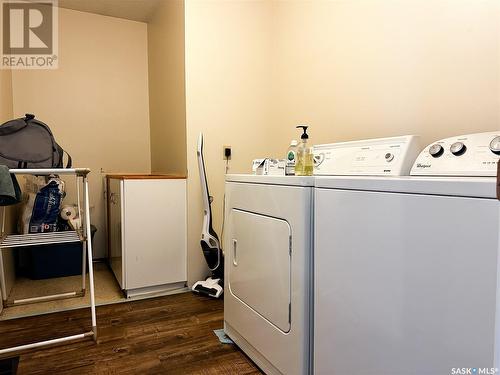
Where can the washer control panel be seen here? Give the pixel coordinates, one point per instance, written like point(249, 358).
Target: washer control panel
point(373, 157)
point(466, 155)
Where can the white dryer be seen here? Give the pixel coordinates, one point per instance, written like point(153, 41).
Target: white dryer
point(407, 269)
point(268, 245)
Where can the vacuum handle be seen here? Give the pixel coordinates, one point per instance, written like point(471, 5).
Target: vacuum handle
point(235, 260)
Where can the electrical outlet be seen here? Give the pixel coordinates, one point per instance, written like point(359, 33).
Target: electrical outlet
point(226, 152)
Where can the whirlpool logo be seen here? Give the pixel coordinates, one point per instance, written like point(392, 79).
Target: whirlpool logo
point(420, 165)
point(474, 371)
point(29, 34)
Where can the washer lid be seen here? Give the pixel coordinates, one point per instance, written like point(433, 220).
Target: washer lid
point(271, 180)
point(476, 187)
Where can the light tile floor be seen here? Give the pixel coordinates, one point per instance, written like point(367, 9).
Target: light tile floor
point(107, 291)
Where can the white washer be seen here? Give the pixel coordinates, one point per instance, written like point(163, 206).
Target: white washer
point(268, 246)
point(407, 268)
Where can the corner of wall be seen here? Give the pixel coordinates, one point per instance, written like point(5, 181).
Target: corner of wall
point(167, 94)
point(10, 212)
point(6, 106)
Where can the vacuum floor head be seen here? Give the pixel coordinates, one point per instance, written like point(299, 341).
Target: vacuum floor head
point(209, 287)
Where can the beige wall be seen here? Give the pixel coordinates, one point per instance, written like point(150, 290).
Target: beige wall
point(167, 99)
point(5, 115)
point(5, 95)
point(351, 69)
point(356, 69)
point(228, 98)
point(97, 101)
point(255, 69)
point(10, 211)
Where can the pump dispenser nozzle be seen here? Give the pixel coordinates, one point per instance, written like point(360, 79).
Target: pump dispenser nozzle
point(304, 129)
point(304, 163)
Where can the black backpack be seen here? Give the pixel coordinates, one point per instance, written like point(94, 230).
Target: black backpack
point(29, 143)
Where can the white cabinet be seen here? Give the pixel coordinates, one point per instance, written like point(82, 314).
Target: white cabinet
point(147, 232)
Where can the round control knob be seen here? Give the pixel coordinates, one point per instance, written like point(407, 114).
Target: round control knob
point(389, 157)
point(457, 148)
point(495, 145)
point(318, 159)
point(436, 150)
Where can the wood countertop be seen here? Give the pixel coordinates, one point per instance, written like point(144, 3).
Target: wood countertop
point(146, 176)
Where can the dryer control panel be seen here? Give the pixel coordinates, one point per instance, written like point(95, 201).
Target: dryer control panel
point(372, 157)
point(466, 155)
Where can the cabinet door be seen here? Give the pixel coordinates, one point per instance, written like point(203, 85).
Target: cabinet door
point(115, 228)
point(155, 232)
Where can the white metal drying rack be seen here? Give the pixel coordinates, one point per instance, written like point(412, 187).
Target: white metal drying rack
point(83, 235)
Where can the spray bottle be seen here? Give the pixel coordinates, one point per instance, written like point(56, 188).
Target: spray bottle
point(304, 163)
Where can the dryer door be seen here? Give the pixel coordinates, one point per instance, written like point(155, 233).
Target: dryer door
point(259, 261)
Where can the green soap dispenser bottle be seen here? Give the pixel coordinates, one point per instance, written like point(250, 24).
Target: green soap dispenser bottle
point(304, 163)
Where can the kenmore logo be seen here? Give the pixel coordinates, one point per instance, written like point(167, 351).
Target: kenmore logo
point(419, 165)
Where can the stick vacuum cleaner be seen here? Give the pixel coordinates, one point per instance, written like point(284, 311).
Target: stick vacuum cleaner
point(210, 243)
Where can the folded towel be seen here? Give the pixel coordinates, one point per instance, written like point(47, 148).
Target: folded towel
point(10, 193)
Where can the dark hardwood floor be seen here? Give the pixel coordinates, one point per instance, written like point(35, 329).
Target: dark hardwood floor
point(166, 335)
